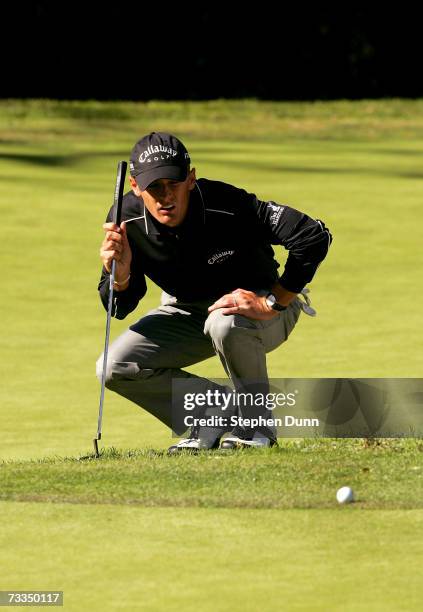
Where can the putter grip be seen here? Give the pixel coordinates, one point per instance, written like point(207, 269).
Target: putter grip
point(120, 184)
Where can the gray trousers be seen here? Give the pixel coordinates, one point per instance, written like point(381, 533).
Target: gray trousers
point(144, 359)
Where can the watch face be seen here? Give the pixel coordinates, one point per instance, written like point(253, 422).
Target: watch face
point(272, 303)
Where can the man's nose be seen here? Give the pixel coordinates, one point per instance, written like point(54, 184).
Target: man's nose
point(165, 192)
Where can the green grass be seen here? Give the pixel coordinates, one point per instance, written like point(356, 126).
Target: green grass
point(58, 171)
point(224, 119)
point(131, 558)
point(261, 530)
point(299, 474)
point(138, 530)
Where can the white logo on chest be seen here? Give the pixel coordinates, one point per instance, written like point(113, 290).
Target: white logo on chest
point(219, 257)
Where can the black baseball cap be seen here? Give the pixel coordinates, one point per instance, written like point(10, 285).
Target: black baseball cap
point(158, 155)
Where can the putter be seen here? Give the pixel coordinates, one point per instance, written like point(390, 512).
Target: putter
point(120, 182)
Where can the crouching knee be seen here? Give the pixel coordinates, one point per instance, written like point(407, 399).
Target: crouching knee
point(116, 370)
point(226, 329)
point(99, 369)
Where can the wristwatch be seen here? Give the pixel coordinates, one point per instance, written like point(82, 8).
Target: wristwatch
point(272, 303)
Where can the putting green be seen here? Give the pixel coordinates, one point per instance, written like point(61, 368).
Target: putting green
point(126, 558)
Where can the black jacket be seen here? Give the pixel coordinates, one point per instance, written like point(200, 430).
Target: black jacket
point(223, 244)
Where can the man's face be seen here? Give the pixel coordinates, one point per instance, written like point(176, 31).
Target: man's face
point(166, 199)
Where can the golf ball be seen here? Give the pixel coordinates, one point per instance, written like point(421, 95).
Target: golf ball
point(345, 495)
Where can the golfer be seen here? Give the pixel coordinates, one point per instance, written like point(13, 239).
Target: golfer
point(208, 246)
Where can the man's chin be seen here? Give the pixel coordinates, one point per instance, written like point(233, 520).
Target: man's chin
point(170, 222)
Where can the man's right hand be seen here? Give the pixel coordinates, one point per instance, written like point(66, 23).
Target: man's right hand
point(115, 246)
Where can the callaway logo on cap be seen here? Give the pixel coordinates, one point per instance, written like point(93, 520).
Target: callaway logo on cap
point(158, 155)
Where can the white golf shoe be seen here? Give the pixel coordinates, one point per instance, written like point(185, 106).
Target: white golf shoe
point(194, 445)
point(257, 441)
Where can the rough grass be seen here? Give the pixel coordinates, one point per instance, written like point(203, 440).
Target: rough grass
point(247, 119)
point(299, 474)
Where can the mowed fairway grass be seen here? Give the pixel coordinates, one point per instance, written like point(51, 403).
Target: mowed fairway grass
point(138, 530)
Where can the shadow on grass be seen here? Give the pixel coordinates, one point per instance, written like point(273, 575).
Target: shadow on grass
point(48, 160)
point(114, 453)
point(59, 160)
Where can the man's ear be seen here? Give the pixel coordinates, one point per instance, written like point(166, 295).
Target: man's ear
point(134, 185)
point(192, 179)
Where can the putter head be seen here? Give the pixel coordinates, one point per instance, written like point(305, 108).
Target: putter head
point(95, 442)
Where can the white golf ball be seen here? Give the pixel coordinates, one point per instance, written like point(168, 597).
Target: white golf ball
point(345, 495)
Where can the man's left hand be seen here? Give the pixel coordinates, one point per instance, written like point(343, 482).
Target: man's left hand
point(245, 303)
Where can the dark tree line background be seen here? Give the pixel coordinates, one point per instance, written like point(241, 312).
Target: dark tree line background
point(272, 50)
